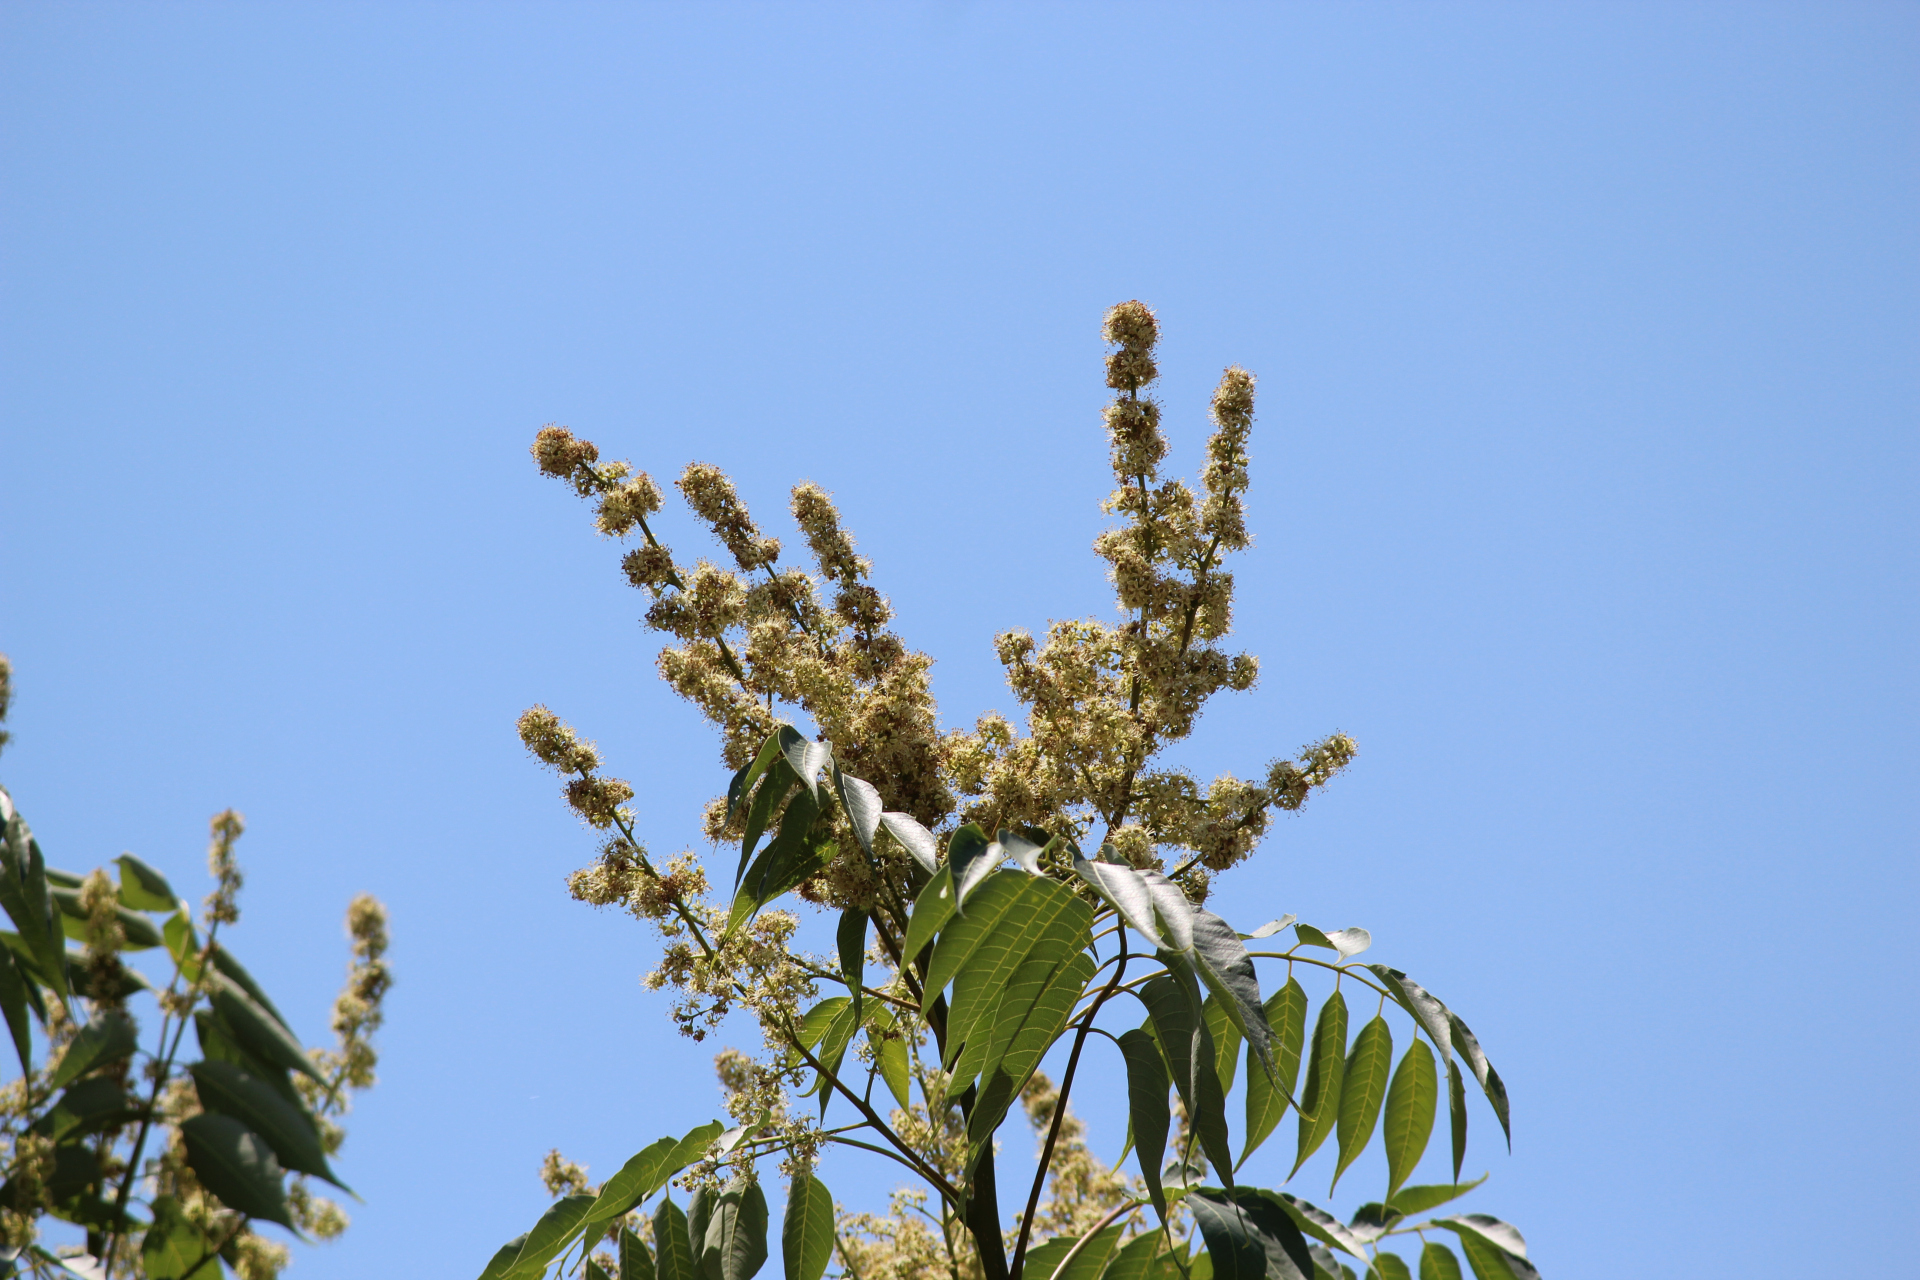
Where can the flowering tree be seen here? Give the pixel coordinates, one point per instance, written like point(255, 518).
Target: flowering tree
point(162, 1167)
point(955, 974)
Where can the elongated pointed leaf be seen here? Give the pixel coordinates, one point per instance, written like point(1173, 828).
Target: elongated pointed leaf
point(806, 1235)
point(1490, 1082)
point(1457, 1111)
point(673, 1256)
point(648, 1170)
point(288, 1130)
point(1412, 1200)
point(1326, 1065)
point(1311, 937)
point(236, 1165)
point(1025, 1027)
point(142, 888)
point(1272, 927)
point(25, 897)
point(890, 1054)
point(218, 1043)
point(261, 1032)
point(636, 1260)
point(699, 1212)
point(775, 787)
point(861, 801)
point(1350, 942)
point(139, 932)
point(736, 1246)
point(1126, 893)
point(108, 1038)
point(1490, 1262)
point(1363, 1087)
point(1141, 1259)
point(1425, 1008)
point(556, 1231)
point(973, 858)
point(1371, 1221)
point(1172, 910)
point(1438, 1263)
point(502, 1260)
point(743, 782)
point(1501, 1235)
point(1412, 1100)
point(1226, 1041)
point(1391, 1266)
point(1249, 1234)
point(779, 869)
point(234, 971)
point(13, 1001)
point(851, 940)
point(1188, 1047)
point(172, 1245)
point(1267, 1098)
point(1010, 912)
point(1222, 962)
point(932, 908)
point(1320, 1224)
point(1066, 1258)
point(807, 759)
point(1147, 1109)
point(914, 838)
point(813, 1027)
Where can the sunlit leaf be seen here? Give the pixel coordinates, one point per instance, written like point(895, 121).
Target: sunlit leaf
point(143, 888)
point(914, 838)
point(673, 1256)
point(1286, 1012)
point(1272, 927)
point(973, 858)
point(861, 801)
point(1326, 1064)
point(806, 1234)
point(1425, 1008)
point(1363, 1087)
point(1392, 1266)
point(636, 1260)
point(1438, 1263)
point(1490, 1082)
point(1319, 1224)
point(1411, 1102)
point(1412, 1200)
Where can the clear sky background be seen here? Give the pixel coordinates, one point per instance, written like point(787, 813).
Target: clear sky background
point(1584, 499)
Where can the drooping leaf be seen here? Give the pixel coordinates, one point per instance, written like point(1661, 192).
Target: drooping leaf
point(851, 940)
point(1490, 1262)
point(1373, 1220)
point(1412, 1200)
point(236, 1165)
point(673, 1256)
point(743, 782)
point(1490, 1082)
point(143, 888)
point(13, 1001)
point(1326, 1065)
point(1503, 1236)
point(932, 908)
point(1056, 1259)
point(1249, 1235)
point(1147, 1109)
point(774, 788)
point(1226, 1041)
point(1188, 1047)
point(1222, 962)
point(1024, 852)
point(973, 858)
point(1425, 1008)
point(594, 1271)
point(699, 1212)
point(795, 854)
point(556, 1231)
point(1124, 890)
point(636, 1260)
point(288, 1130)
point(861, 801)
point(108, 1038)
point(736, 1245)
point(1327, 1266)
point(914, 838)
point(1025, 1026)
point(25, 897)
point(1438, 1263)
point(1363, 1087)
point(806, 1234)
point(1412, 1100)
point(224, 961)
point(218, 1042)
point(1286, 1013)
point(172, 1245)
point(1457, 1110)
point(1350, 942)
point(1392, 1266)
point(95, 1103)
point(261, 1032)
point(1320, 1224)
point(807, 759)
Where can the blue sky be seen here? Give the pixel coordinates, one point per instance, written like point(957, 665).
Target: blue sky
point(1583, 495)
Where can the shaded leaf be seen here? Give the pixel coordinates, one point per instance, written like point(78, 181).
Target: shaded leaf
point(851, 941)
point(673, 1258)
point(1024, 852)
point(1226, 1041)
point(108, 1038)
point(1490, 1082)
point(1045, 1261)
point(806, 1234)
point(1189, 1052)
point(502, 1260)
point(1457, 1111)
point(143, 888)
point(736, 1245)
point(1412, 1200)
point(236, 1165)
point(1286, 1013)
point(648, 1170)
point(219, 1043)
point(1371, 1221)
point(914, 838)
point(1326, 1064)
point(1224, 965)
point(1411, 1102)
point(744, 781)
point(14, 1002)
point(557, 1229)
point(1127, 893)
point(259, 1031)
point(890, 1055)
point(1490, 1262)
point(1249, 1235)
point(932, 908)
point(140, 932)
point(1425, 1008)
point(774, 788)
point(95, 1103)
point(224, 961)
point(25, 897)
point(1031, 1015)
point(1438, 1263)
point(287, 1129)
point(636, 1260)
point(172, 1245)
point(1141, 1258)
point(1320, 1224)
point(1147, 1109)
point(1308, 936)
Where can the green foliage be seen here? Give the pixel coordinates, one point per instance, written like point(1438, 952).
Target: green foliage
point(150, 1163)
point(1024, 896)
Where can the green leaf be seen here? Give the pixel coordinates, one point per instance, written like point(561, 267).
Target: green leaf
point(13, 1000)
point(819, 1019)
point(931, 911)
point(648, 1170)
point(833, 1048)
point(915, 839)
point(1043, 1261)
point(183, 944)
point(143, 888)
point(1319, 1224)
point(794, 855)
point(595, 1271)
point(736, 1244)
point(139, 931)
point(1286, 1013)
point(1141, 1258)
point(1411, 1103)
point(807, 759)
point(1311, 937)
point(1373, 1220)
point(1326, 1064)
point(890, 1054)
point(236, 1165)
point(218, 1042)
point(1224, 965)
point(285, 1128)
point(1188, 1047)
point(258, 1030)
point(674, 1256)
point(556, 1231)
point(973, 858)
point(852, 940)
point(108, 1038)
point(1226, 1041)
point(1362, 1089)
point(1250, 1236)
point(1438, 1263)
point(743, 781)
point(1490, 1262)
point(1490, 1082)
point(1024, 852)
point(699, 1212)
point(172, 1245)
point(224, 961)
point(980, 951)
point(24, 895)
point(95, 1103)
point(1412, 1200)
point(861, 801)
point(1425, 1008)
point(1392, 1266)
point(1147, 1109)
point(1031, 1015)
point(1130, 895)
point(774, 788)
point(636, 1263)
point(502, 1260)
point(1503, 1236)
point(1457, 1109)
point(806, 1234)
